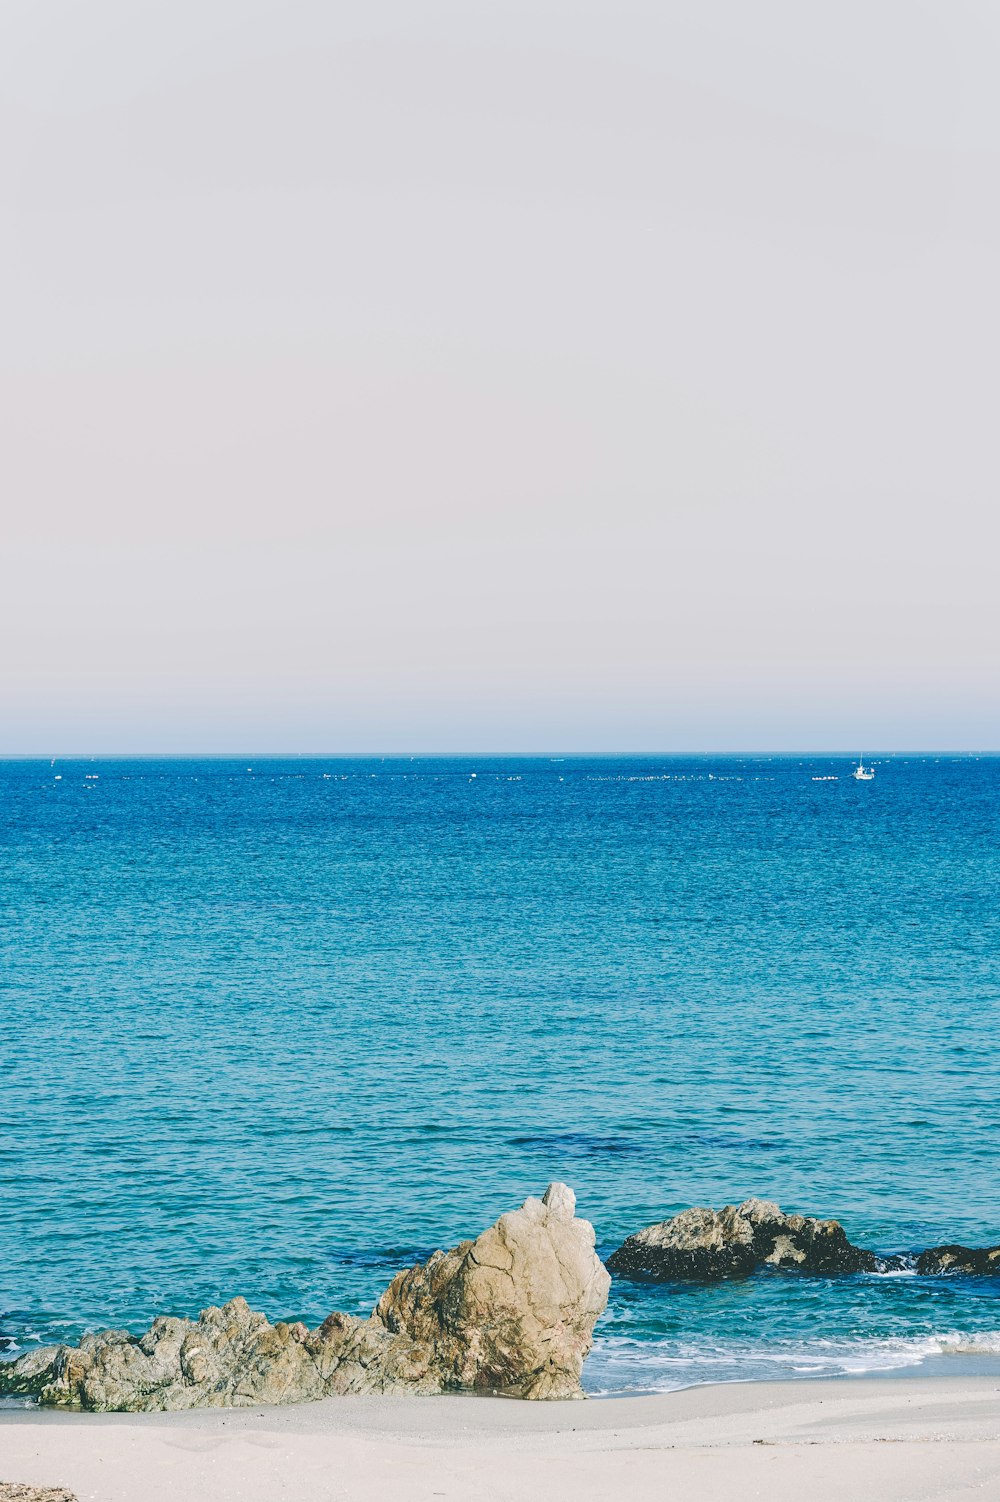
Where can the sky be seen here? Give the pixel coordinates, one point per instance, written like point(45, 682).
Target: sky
point(526, 376)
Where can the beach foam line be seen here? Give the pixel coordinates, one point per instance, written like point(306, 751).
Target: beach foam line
point(619, 1365)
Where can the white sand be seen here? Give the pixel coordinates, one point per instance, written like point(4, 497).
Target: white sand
point(871, 1440)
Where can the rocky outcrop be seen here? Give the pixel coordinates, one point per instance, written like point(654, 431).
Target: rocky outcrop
point(700, 1243)
point(23, 1378)
point(512, 1312)
point(12, 1491)
point(975, 1261)
point(732, 1242)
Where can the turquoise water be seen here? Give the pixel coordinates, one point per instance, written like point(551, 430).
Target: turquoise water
point(281, 1027)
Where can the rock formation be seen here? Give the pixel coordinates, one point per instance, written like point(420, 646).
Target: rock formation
point(976, 1261)
point(12, 1491)
point(732, 1242)
point(512, 1312)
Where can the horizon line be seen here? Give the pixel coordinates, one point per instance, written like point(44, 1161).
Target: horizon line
point(376, 755)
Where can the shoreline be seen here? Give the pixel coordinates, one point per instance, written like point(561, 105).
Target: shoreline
point(895, 1439)
point(941, 1366)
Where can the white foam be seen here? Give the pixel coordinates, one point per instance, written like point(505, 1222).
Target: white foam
point(985, 1344)
point(619, 1364)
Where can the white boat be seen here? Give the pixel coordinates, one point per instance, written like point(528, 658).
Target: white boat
point(862, 773)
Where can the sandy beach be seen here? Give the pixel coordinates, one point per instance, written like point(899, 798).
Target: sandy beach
point(885, 1440)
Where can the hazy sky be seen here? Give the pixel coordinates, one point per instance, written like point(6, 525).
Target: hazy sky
point(418, 375)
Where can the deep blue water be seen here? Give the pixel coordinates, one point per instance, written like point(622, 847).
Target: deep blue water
point(281, 1027)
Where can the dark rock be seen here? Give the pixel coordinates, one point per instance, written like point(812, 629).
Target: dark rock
point(698, 1244)
point(976, 1261)
point(707, 1244)
point(23, 1377)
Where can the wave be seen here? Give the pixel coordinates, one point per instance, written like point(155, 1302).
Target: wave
point(987, 1344)
point(619, 1364)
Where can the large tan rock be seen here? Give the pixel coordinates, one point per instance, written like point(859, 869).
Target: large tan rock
point(512, 1312)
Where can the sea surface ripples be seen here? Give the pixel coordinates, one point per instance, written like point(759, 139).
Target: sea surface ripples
point(281, 1027)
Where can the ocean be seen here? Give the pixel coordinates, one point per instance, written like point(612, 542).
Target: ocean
point(279, 1027)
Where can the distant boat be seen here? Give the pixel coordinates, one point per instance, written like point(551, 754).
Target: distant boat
point(862, 773)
